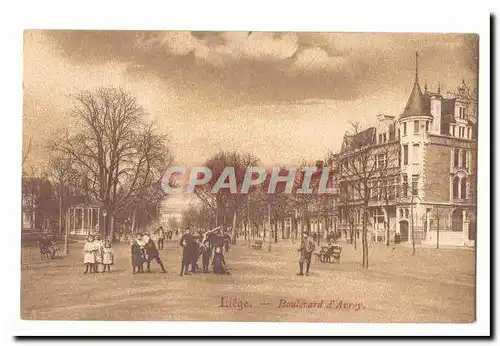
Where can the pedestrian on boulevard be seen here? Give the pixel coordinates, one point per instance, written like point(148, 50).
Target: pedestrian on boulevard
point(188, 245)
point(161, 238)
point(306, 249)
point(108, 256)
point(152, 253)
point(138, 257)
point(89, 254)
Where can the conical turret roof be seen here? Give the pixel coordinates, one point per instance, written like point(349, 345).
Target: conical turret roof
point(416, 105)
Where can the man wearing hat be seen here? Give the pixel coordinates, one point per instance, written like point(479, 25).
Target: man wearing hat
point(306, 249)
point(188, 245)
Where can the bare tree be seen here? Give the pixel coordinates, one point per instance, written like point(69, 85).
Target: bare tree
point(225, 205)
point(359, 169)
point(114, 151)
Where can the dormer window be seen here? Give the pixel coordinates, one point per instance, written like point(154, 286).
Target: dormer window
point(461, 112)
point(404, 129)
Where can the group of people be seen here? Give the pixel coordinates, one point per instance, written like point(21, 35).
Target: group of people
point(97, 252)
point(144, 250)
point(209, 246)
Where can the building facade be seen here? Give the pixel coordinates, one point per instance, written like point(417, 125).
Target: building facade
point(416, 175)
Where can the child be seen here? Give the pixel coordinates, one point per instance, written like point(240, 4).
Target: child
point(218, 263)
point(138, 257)
point(98, 252)
point(89, 254)
point(108, 256)
point(205, 255)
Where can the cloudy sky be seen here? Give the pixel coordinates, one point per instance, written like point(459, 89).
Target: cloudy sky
point(284, 97)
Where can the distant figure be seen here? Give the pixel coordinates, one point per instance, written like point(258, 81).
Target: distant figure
point(218, 263)
point(161, 238)
point(108, 256)
point(306, 249)
point(226, 239)
point(89, 254)
point(205, 255)
point(152, 253)
point(188, 245)
point(138, 257)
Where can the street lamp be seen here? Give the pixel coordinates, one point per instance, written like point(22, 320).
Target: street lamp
point(104, 214)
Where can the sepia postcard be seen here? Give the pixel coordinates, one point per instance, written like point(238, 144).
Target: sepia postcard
point(249, 176)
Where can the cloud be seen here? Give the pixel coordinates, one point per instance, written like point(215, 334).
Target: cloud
point(317, 58)
point(239, 67)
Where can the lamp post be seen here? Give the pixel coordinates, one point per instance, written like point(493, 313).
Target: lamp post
point(104, 214)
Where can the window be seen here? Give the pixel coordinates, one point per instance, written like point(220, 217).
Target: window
point(415, 126)
point(405, 185)
point(462, 132)
point(414, 184)
point(464, 158)
point(461, 112)
point(427, 126)
point(456, 181)
point(381, 161)
point(453, 131)
point(456, 154)
point(416, 153)
point(405, 154)
point(404, 129)
point(385, 137)
point(399, 133)
point(469, 132)
point(380, 138)
point(463, 188)
point(399, 158)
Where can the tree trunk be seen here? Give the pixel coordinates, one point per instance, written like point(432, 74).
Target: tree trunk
point(275, 230)
point(134, 215)
point(269, 225)
point(387, 231)
point(112, 228)
point(437, 235)
point(233, 235)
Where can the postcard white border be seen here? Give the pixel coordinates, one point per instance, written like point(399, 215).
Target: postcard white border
point(282, 18)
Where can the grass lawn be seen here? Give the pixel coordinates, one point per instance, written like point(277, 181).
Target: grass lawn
point(432, 286)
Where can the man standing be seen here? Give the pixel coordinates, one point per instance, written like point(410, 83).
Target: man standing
point(306, 249)
point(189, 247)
point(161, 238)
point(152, 253)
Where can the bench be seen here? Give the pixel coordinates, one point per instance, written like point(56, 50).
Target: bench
point(329, 254)
point(257, 245)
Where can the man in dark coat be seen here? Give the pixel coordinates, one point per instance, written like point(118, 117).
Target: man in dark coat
point(306, 249)
point(152, 253)
point(188, 245)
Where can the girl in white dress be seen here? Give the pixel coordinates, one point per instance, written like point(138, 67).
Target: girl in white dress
point(89, 254)
point(108, 256)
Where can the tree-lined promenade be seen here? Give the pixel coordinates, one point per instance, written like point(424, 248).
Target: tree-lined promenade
point(432, 286)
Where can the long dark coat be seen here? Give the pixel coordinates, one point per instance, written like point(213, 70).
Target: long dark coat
point(137, 255)
point(189, 248)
